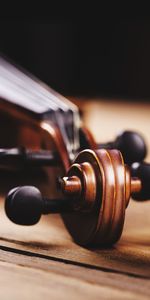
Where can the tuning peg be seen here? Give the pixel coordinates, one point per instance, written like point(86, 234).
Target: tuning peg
point(142, 171)
point(24, 205)
point(97, 190)
point(131, 144)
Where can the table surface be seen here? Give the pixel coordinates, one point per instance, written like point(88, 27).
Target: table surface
point(42, 260)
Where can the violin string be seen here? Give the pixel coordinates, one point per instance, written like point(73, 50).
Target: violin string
point(15, 83)
point(32, 94)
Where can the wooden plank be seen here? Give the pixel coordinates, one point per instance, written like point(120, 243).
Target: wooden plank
point(28, 277)
point(50, 238)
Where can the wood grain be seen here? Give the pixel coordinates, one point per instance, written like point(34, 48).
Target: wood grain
point(50, 238)
point(30, 277)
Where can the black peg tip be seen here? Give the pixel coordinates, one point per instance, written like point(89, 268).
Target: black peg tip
point(132, 146)
point(24, 205)
point(142, 171)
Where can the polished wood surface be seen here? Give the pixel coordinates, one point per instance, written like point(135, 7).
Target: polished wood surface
point(42, 260)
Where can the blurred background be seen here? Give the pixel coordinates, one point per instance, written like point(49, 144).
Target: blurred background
point(106, 58)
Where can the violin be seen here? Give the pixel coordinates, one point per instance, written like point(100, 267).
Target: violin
point(95, 180)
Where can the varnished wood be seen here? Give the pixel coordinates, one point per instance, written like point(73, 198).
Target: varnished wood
point(135, 185)
point(103, 224)
point(33, 132)
point(100, 184)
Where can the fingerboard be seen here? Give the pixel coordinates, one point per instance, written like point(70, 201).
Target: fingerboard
point(24, 90)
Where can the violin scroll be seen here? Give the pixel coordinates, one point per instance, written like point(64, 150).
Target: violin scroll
point(96, 189)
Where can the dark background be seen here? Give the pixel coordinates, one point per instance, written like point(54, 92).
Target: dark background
point(109, 58)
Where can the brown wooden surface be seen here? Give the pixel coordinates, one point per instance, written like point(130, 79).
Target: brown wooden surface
point(43, 260)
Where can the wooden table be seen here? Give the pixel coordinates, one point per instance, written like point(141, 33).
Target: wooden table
point(43, 261)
